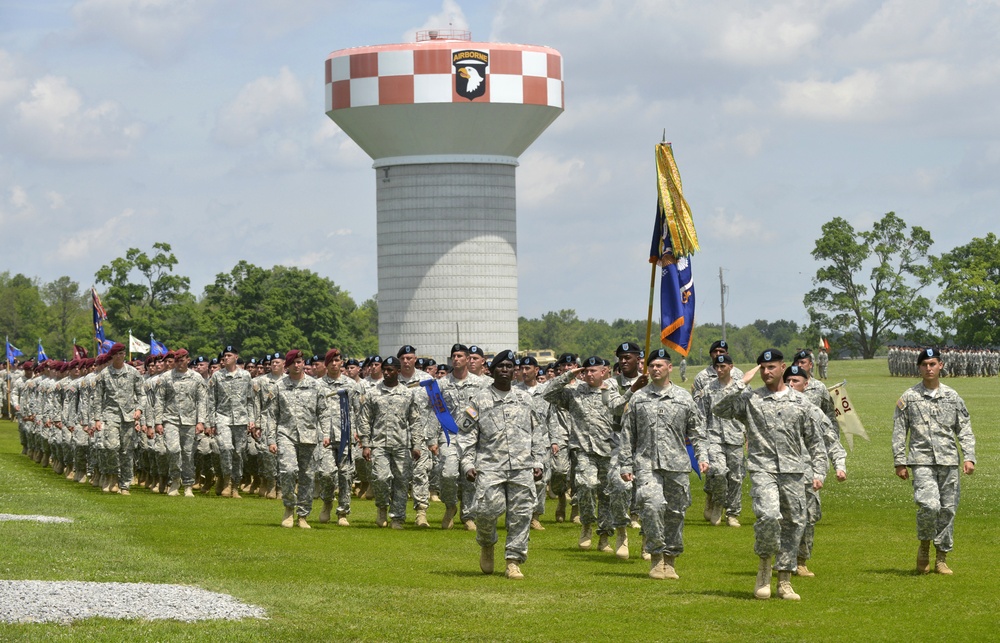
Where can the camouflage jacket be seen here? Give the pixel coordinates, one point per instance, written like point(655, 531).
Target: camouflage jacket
point(655, 425)
point(500, 431)
point(929, 426)
point(181, 399)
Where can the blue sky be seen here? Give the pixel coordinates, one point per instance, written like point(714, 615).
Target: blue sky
point(201, 123)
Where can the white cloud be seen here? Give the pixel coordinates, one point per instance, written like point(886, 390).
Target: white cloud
point(774, 35)
point(451, 16)
point(267, 103)
point(307, 260)
point(11, 84)
point(53, 122)
point(541, 176)
point(340, 232)
point(18, 197)
point(56, 200)
point(112, 233)
point(736, 227)
point(153, 29)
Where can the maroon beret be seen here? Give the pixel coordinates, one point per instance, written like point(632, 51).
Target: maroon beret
point(116, 348)
point(331, 355)
point(292, 355)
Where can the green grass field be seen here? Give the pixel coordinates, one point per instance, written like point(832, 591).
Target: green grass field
point(375, 584)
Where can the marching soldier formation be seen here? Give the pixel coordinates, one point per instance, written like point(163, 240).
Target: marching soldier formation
point(955, 362)
point(489, 438)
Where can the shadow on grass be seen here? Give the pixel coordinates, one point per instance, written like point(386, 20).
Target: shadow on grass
point(463, 573)
point(893, 572)
point(735, 595)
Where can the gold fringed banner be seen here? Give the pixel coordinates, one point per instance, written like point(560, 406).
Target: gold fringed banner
point(676, 211)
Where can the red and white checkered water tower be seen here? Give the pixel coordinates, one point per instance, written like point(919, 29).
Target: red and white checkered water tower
point(445, 120)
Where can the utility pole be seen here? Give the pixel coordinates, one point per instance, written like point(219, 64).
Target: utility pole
point(722, 295)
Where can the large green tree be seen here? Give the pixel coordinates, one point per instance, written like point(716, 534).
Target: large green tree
point(869, 283)
point(69, 317)
point(23, 314)
point(969, 277)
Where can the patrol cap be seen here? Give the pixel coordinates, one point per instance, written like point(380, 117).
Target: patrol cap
point(529, 361)
point(660, 353)
point(406, 350)
point(725, 358)
point(593, 360)
point(475, 350)
point(390, 361)
point(720, 343)
point(626, 348)
point(928, 353)
point(293, 355)
point(230, 349)
point(803, 354)
point(770, 355)
point(794, 370)
point(331, 355)
point(501, 357)
point(458, 348)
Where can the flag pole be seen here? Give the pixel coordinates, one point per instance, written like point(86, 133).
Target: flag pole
point(129, 344)
point(7, 342)
point(649, 312)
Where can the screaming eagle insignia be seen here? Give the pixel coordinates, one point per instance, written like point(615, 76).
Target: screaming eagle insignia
point(470, 72)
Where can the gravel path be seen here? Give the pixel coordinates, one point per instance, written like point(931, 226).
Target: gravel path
point(32, 601)
point(4, 517)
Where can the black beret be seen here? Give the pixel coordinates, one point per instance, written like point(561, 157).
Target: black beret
point(391, 361)
point(593, 361)
point(475, 350)
point(721, 343)
point(502, 356)
point(722, 359)
point(803, 354)
point(928, 353)
point(352, 362)
point(529, 361)
point(421, 362)
point(406, 350)
point(566, 358)
point(770, 355)
point(459, 348)
point(375, 359)
point(626, 348)
point(660, 353)
point(794, 370)
point(277, 355)
point(229, 349)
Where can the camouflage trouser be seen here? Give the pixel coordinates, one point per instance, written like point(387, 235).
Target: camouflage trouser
point(421, 479)
point(724, 480)
point(779, 502)
point(434, 480)
point(22, 434)
point(204, 446)
point(600, 502)
point(81, 449)
point(814, 513)
point(936, 491)
point(560, 472)
point(540, 494)
point(664, 496)
point(334, 479)
point(232, 442)
point(118, 440)
point(159, 456)
point(448, 466)
point(179, 443)
point(512, 492)
point(391, 472)
point(295, 466)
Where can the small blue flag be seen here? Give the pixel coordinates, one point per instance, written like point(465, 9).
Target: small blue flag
point(155, 347)
point(12, 352)
point(41, 352)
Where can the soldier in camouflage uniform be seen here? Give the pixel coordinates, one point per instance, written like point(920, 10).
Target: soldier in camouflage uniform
point(822, 362)
point(657, 420)
point(392, 437)
point(410, 377)
point(724, 480)
point(300, 409)
point(119, 399)
point(335, 468)
point(780, 426)
point(798, 377)
point(230, 408)
point(702, 379)
point(502, 444)
point(930, 423)
point(591, 403)
point(180, 409)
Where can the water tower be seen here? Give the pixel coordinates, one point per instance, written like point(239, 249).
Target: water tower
point(445, 120)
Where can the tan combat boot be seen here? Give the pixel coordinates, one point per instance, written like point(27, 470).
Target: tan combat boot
point(220, 484)
point(227, 487)
point(236, 493)
point(254, 485)
point(421, 519)
point(940, 566)
point(449, 517)
point(188, 492)
point(715, 518)
point(175, 486)
point(621, 543)
point(289, 520)
point(708, 507)
point(470, 525)
point(272, 492)
point(668, 568)
point(802, 570)
point(762, 589)
point(642, 545)
point(924, 557)
point(656, 570)
point(561, 508)
point(536, 524)
point(486, 558)
point(634, 521)
point(45, 459)
point(324, 516)
point(574, 515)
point(513, 571)
point(164, 484)
point(342, 521)
point(396, 524)
point(262, 489)
point(586, 537)
point(785, 591)
point(114, 484)
point(733, 521)
point(383, 517)
point(603, 544)
point(303, 524)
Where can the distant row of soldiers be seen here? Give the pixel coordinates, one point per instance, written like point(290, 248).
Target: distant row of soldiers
point(958, 362)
